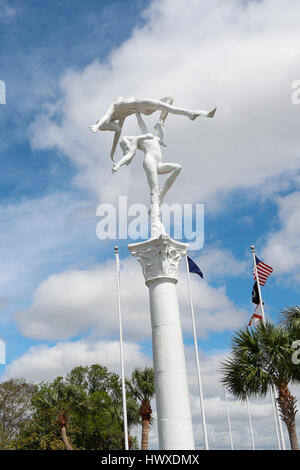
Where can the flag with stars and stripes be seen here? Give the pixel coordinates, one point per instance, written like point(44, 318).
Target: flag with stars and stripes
point(263, 271)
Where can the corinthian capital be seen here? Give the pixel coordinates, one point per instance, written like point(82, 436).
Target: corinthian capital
point(159, 257)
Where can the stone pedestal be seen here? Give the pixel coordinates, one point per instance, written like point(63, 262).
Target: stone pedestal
point(159, 258)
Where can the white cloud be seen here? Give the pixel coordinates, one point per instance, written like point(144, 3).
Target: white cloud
point(75, 301)
point(239, 56)
point(38, 233)
point(7, 12)
point(282, 250)
point(45, 362)
point(217, 263)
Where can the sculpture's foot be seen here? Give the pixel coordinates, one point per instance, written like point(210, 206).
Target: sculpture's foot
point(159, 127)
point(212, 113)
point(193, 115)
point(93, 128)
point(115, 169)
point(157, 230)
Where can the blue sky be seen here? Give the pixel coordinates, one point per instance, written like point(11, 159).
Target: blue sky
point(63, 63)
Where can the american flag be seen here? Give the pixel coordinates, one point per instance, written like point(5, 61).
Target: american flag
point(263, 271)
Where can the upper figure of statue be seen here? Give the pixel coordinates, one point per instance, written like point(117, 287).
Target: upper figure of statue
point(116, 114)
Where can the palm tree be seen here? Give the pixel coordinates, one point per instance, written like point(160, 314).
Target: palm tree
point(142, 388)
point(62, 398)
point(290, 319)
point(261, 361)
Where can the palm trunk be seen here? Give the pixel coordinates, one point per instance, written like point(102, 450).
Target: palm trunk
point(145, 413)
point(145, 434)
point(65, 438)
point(62, 423)
point(293, 437)
point(288, 410)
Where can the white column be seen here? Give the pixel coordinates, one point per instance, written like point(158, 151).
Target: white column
point(159, 258)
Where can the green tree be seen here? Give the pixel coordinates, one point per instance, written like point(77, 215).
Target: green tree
point(81, 411)
point(261, 359)
point(64, 400)
point(15, 409)
point(102, 427)
point(290, 320)
point(143, 389)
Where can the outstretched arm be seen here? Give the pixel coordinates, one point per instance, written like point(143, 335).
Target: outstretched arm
point(127, 157)
point(116, 138)
point(141, 123)
point(159, 127)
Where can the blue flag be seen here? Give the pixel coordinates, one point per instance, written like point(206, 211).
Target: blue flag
point(193, 268)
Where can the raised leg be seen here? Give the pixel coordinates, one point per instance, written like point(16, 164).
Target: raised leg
point(116, 138)
point(164, 114)
point(159, 126)
point(150, 106)
point(174, 170)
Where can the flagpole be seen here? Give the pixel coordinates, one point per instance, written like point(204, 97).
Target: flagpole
point(275, 416)
point(250, 425)
point(280, 424)
point(197, 359)
point(121, 349)
point(228, 420)
point(274, 403)
point(258, 284)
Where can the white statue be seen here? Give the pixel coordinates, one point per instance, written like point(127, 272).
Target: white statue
point(116, 114)
point(153, 166)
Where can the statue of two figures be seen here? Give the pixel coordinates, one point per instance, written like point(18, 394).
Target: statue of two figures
point(148, 143)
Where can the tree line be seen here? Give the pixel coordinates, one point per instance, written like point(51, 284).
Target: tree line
point(80, 411)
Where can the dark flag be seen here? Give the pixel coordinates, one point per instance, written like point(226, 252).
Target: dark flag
point(255, 294)
point(193, 268)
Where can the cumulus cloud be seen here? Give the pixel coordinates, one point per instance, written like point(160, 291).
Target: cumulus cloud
point(41, 233)
point(7, 12)
point(75, 301)
point(241, 56)
point(72, 302)
point(218, 263)
point(281, 248)
point(44, 363)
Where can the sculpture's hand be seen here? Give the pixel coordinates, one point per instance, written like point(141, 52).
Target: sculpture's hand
point(115, 168)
